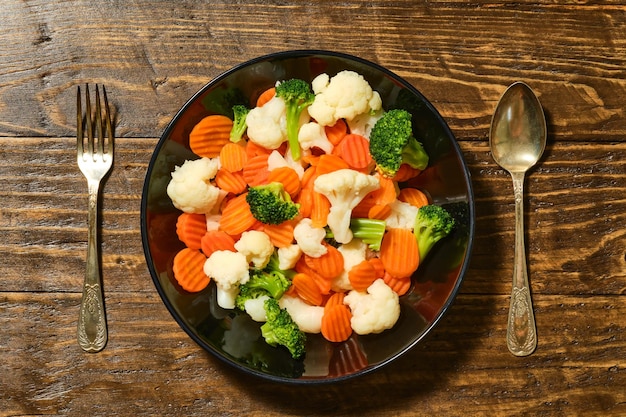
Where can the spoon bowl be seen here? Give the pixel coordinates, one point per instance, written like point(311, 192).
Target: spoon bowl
point(517, 139)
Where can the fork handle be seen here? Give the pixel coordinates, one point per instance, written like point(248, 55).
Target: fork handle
point(92, 328)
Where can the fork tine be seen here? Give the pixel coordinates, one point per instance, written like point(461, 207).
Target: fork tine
point(99, 126)
point(90, 140)
point(79, 124)
point(109, 126)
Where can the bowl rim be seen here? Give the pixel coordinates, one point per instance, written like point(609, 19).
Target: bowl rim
point(292, 54)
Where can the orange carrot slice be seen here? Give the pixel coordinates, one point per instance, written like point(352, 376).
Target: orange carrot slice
point(362, 209)
point(362, 275)
point(378, 266)
point(252, 150)
point(355, 150)
point(320, 209)
point(209, 135)
point(255, 172)
point(336, 325)
point(323, 283)
point(189, 270)
point(266, 96)
point(399, 285)
point(190, 227)
point(387, 193)
point(329, 265)
point(236, 216)
point(288, 177)
point(232, 182)
point(414, 197)
point(399, 253)
point(281, 235)
point(329, 163)
point(405, 173)
point(379, 211)
point(336, 132)
point(307, 289)
point(336, 298)
point(233, 157)
point(305, 199)
point(214, 240)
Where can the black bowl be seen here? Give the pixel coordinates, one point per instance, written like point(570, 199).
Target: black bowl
point(236, 339)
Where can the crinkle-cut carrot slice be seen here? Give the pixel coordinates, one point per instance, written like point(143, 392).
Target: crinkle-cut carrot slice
point(405, 173)
point(362, 275)
point(329, 265)
point(379, 211)
point(310, 159)
point(305, 199)
point(209, 135)
point(362, 210)
point(266, 96)
point(231, 182)
point(336, 325)
point(414, 197)
point(307, 289)
point(355, 150)
point(399, 285)
point(323, 283)
point(288, 177)
point(281, 235)
point(308, 177)
point(233, 157)
point(330, 163)
point(388, 191)
point(236, 216)
point(190, 227)
point(214, 240)
point(255, 172)
point(320, 209)
point(335, 298)
point(378, 266)
point(399, 252)
point(336, 132)
point(254, 149)
point(189, 270)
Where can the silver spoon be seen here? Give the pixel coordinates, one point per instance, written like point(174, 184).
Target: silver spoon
point(517, 139)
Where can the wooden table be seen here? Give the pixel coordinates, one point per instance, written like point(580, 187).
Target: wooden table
point(153, 55)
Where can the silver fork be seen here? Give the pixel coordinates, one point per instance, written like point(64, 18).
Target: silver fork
point(95, 158)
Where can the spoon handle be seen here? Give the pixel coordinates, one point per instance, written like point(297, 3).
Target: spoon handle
point(521, 334)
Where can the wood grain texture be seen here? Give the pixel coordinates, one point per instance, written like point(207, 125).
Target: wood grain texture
point(153, 55)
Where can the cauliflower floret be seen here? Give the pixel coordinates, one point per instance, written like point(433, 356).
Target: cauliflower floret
point(310, 238)
point(190, 187)
point(256, 246)
point(312, 135)
point(346, 95)
point(307, 317)
point(288, 256)
point(344, 188)
point(228, 269)
point(374, 311)
point(353, 254)
point(363, 123)
point(402, 215)
point(276, 160)
point(267, 125)
point(255, 307)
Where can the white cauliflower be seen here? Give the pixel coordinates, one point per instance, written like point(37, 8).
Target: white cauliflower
point(256, 246)
point(310, 238)
point(402, 215)
point(307, 317)
point(313, 135)
point(344, 188)
point(363, 123)
point(288, 256)
point(191, 189)
point(267, 125)
point(374, 311)
point(255, 307)
point(228, 270)
point(346, 95)
point(276, 160)
point(353, 254)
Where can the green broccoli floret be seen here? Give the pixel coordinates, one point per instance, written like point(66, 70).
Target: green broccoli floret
point(370, 231)
point(280, 329)
point(432, 224)
point(271, 204)
point(271, 281)
point(298, 96)
point(239, 122)
point(392, 143)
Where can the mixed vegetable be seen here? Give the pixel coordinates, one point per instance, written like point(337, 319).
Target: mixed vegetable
point(294, 210)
